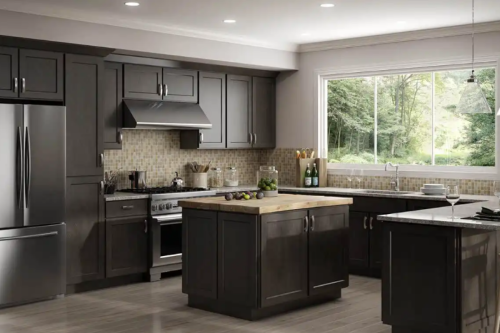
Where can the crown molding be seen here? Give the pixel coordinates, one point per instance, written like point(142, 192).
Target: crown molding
point(459, 30)
point(94, 18)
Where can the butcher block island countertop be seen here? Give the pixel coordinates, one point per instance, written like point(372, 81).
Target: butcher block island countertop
point(281, 203)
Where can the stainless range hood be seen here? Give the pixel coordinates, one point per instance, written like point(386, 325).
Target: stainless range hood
point(164, 115)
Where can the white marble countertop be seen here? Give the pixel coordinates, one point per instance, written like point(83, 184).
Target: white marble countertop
point(443, 216)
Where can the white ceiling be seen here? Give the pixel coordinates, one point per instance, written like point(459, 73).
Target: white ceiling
point(277, 24)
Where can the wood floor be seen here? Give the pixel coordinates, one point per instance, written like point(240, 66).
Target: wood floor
point(161, 307)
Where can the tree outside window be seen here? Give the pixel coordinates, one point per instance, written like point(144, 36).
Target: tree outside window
point(409, 119)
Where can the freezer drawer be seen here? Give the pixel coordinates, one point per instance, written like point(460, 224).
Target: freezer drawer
point(32, 263)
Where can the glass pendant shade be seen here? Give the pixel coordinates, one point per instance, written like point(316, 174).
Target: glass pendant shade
point(473, 99)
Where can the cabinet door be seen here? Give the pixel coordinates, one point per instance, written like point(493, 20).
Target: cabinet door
point(143, 82)
point(359, 240)
point(112, 105)
point(283, 257)
point(376, 241)
point(213, 103)
point(199, 253)
point(328, 249)
point(84, 125)
point(85, 254)
point(264, 112)
point(41, 75)
point(9, 78)
point(425, 204)
point(126, 246)
point(239, 111)
point(180, 85)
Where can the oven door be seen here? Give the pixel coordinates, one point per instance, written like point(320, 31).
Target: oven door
point(166, 239)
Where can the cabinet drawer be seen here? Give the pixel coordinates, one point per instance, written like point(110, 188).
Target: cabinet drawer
point(380, 205)
point(126, 208)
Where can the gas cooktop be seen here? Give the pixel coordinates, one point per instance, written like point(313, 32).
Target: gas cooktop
point(164, 190)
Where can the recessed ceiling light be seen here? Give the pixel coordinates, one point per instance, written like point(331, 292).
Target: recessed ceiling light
point(327, 5)
point(229, 21)
point(132, 4)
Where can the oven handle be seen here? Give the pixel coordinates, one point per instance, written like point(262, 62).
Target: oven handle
point(169, 218)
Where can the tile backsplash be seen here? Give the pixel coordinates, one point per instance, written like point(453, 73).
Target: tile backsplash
point(158, 153)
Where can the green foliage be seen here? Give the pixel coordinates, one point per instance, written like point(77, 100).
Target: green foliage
point(404, 120)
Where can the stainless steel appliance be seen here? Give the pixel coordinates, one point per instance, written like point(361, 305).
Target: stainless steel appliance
point(165, 225)
point(138, 179)
point(32, 206)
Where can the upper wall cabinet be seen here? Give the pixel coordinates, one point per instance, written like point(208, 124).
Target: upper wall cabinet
point(9, 69)
point(112, 106)
point(213, 103)
point(180, 85)
point(143, 82)
point(239, 111)
point(156, 83)
point(31, 74)
point(264, 112)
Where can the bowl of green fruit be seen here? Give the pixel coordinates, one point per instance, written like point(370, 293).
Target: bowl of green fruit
point(269, 186)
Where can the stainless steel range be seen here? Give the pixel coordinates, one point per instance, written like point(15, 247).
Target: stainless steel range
point(165, 225)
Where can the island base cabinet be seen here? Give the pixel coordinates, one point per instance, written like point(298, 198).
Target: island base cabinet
point(252, 266)
point(438, 279)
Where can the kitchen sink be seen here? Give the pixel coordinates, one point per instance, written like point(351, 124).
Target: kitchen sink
point(385, 192)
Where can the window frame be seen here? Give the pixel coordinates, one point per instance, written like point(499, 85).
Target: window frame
point(427, 171)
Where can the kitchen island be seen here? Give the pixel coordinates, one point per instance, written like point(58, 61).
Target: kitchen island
point(439, 273)
point(254, 258)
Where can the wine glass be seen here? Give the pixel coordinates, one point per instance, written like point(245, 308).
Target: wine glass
point(350, 177)
point(452, 196)
point(496, 189)
point(359, 177)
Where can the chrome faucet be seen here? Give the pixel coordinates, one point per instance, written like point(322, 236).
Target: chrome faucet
point(394, 182)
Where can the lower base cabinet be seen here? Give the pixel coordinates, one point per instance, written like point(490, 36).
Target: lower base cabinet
point(85, 229)
point(126, 246)
point(248, 266)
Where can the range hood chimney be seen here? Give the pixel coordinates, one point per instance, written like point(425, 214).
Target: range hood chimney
point(164, 115)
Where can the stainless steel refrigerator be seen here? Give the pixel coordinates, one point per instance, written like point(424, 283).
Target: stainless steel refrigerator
point(32, 212)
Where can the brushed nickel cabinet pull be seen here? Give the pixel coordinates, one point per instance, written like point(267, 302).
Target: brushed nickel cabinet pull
point(16, 85)
point(127, 207)
point(371, 223)
point(312, 222)
point(306, 227)
point(145, 226)
point(364, 222)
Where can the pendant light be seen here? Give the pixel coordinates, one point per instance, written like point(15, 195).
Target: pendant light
point(473, 99)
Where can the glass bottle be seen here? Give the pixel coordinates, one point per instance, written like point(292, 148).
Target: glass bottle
point(307, 177)
point(315, 176)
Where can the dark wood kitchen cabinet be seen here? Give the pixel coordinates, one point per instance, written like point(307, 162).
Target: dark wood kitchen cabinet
point(239, 111)
point(143, 82)
point(283, 257)
point(359, 240)
point(85, 230)
point(9, 72)
point(84, 116)
point(126, 246)
point(31, 74)
point(328, 265)
point(41, 75)
point(112, 105)
point(264, 112)
point(213, 103)
point(180, 85)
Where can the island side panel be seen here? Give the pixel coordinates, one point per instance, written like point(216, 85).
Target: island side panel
point(238, 258)
point(420, 278)
point(479, 279)
point(328, 249)
point(284, 267)
point(199, 253)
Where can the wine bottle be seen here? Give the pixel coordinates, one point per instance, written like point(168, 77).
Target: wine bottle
point(307, 177)
point(315, 176)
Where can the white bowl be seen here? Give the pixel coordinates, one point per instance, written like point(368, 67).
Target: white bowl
point(433, 186)
point(434, 191)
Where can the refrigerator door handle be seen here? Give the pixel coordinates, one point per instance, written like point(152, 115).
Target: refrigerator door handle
point(27, 166)
point(19, 167)
point(47, 234)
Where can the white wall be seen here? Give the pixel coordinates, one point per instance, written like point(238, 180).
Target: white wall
point(296, 93)
point(188, 48)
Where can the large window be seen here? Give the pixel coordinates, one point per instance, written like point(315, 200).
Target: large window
point(409, 119)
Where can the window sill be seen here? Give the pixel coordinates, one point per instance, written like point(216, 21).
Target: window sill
point(417, 171)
